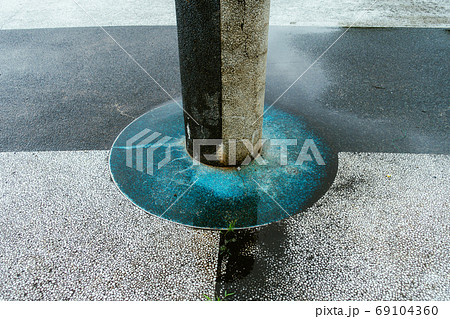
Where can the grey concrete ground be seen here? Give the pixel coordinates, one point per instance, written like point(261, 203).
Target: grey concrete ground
point(67, 233)
point(380, 233)
point(28, 14)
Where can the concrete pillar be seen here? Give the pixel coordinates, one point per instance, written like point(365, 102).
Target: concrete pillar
point(223, 49)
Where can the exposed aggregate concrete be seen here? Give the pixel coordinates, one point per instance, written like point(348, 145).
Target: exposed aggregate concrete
point(66, 232)
point(380, 233)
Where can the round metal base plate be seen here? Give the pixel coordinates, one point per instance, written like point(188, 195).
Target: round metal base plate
point(150, 166)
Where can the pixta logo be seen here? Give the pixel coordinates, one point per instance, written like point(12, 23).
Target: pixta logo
point(148, 142)
point(254, 151)
point(142, 147)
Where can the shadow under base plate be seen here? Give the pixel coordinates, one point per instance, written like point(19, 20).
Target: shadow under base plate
point(150, 166)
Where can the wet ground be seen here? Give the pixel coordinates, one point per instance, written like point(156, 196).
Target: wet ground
point(377, 90)
point(380, 95)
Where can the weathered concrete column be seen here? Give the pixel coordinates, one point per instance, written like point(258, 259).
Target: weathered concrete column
point(223, 49)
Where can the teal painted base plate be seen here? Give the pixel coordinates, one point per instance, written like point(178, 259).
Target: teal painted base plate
point(150, 166)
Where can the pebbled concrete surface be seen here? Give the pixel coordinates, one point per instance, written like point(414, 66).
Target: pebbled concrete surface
point(68, 234)
point(28, 14)
point(380, 233)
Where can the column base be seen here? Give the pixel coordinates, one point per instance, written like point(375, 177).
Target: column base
point(151, 167)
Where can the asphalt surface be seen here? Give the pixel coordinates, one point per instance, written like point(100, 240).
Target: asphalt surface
point(376, 90)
